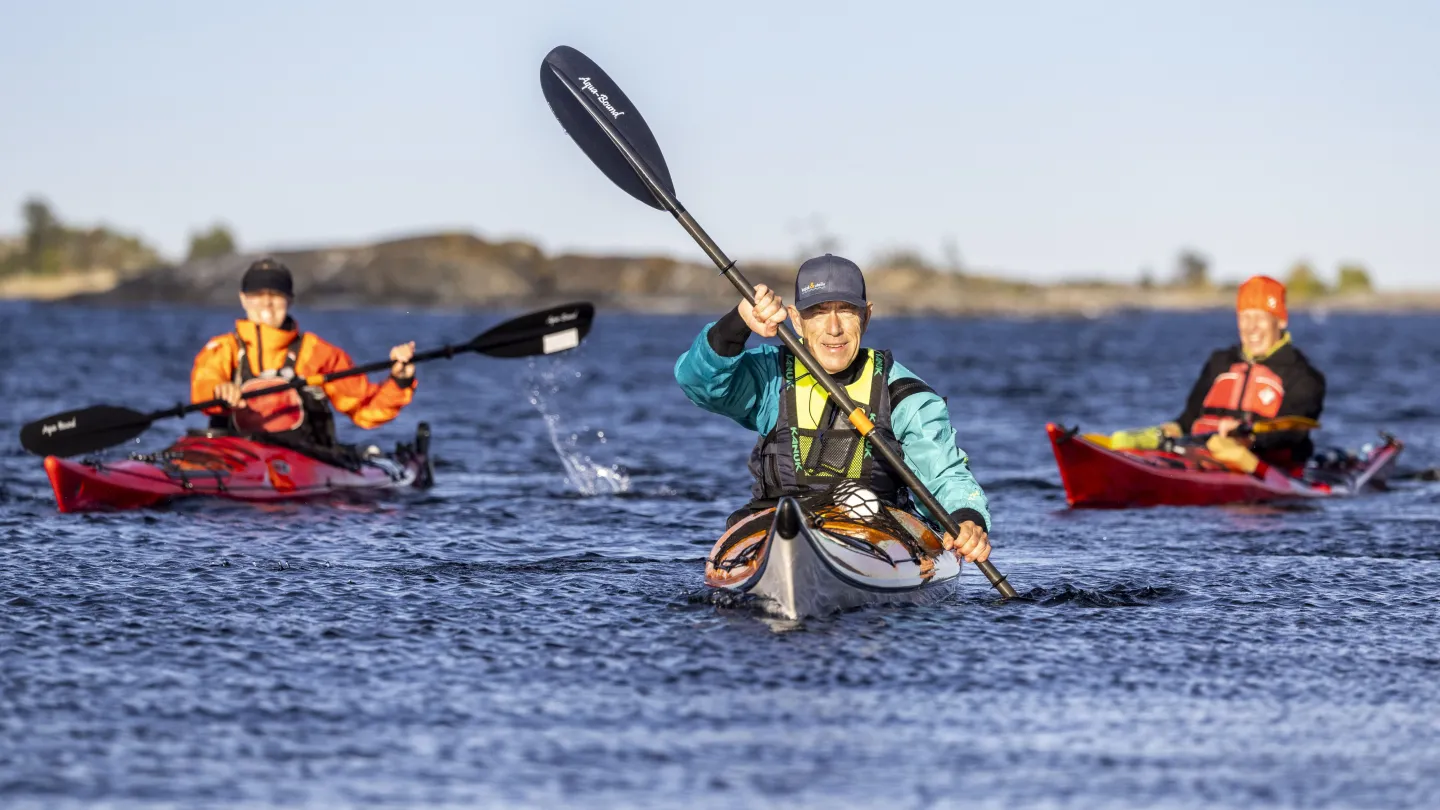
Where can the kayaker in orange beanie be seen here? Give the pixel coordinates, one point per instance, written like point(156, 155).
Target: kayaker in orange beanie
point(267, 347)
point(1263, 377)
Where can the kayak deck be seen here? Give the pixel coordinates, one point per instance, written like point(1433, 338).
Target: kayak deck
point(802, 563)
point(231, 467)
point(1094, 476)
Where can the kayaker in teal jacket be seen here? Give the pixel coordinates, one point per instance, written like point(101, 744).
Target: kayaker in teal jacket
point(805, 443)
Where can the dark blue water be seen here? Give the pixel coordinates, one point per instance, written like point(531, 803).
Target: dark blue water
point(533, 631)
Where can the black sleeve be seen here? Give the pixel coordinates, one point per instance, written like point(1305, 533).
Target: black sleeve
point(727, 337)
point(1304, 390)
point(905, 387)
point(1218, 362)
point(1304, 396)
point(962, 515)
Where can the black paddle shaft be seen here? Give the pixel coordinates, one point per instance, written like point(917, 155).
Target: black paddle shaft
point(1280, 424)
point(511, 338)
point(141, 420)
point(90, 429)
point(319, 379)
point(667, 199)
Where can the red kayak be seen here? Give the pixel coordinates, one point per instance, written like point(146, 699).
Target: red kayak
point(206, 464)
point(1097, 477)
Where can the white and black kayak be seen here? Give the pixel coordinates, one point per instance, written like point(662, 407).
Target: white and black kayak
point(806, 559)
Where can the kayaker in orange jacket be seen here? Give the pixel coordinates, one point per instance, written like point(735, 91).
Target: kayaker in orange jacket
point(267, 347)
point(1263, 377)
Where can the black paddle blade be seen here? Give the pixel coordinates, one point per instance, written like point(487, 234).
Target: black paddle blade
point(549, 331)
point(596, 113)
point(84, 431)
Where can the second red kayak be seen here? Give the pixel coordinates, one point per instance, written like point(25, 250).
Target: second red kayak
point(1097, 477)
point(233, 468)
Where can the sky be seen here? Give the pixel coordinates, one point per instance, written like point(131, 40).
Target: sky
point(1044, 140)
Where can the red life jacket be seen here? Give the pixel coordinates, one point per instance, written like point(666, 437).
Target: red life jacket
point(1248, 391)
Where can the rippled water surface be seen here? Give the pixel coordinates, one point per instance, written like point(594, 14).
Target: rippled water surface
point(533, 631)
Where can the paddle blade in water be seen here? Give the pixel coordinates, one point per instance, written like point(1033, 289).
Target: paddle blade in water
point(549, 331)
point(84, 431)
point(582, 96)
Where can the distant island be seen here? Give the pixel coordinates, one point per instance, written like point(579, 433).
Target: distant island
point(53, 261)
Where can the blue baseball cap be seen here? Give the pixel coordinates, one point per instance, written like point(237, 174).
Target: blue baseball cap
point(829, 278)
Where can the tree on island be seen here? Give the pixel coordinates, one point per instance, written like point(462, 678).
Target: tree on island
point(49, 247)
point(1304, 282)
point(1192, 270)
point(1354, 278)
point(211, 244)
point(43, 235)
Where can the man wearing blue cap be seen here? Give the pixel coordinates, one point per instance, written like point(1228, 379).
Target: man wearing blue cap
point(805, 443)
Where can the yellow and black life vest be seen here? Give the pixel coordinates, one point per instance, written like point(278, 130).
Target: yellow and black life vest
point(813, 446)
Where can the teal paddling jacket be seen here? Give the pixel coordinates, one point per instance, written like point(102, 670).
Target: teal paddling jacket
point(746, 388)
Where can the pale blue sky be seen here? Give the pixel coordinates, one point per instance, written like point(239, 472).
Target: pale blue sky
point(1047, 139)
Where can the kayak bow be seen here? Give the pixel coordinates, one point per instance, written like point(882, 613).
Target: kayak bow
point(803, 563)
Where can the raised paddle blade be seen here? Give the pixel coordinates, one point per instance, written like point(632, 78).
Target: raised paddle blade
point(549, 331)
point(579, 92)
point(620, 143)
point(87, 430)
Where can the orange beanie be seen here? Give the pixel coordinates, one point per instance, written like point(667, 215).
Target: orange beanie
point(1262, 292)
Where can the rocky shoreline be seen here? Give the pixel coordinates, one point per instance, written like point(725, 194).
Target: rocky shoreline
point(461, 270)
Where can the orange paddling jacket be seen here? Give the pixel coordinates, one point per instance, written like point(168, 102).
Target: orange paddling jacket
point(274, 354)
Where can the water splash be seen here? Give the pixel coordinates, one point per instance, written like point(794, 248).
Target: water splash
point(588, 476)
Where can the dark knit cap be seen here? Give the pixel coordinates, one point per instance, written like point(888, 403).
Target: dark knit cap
point(268, 274)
